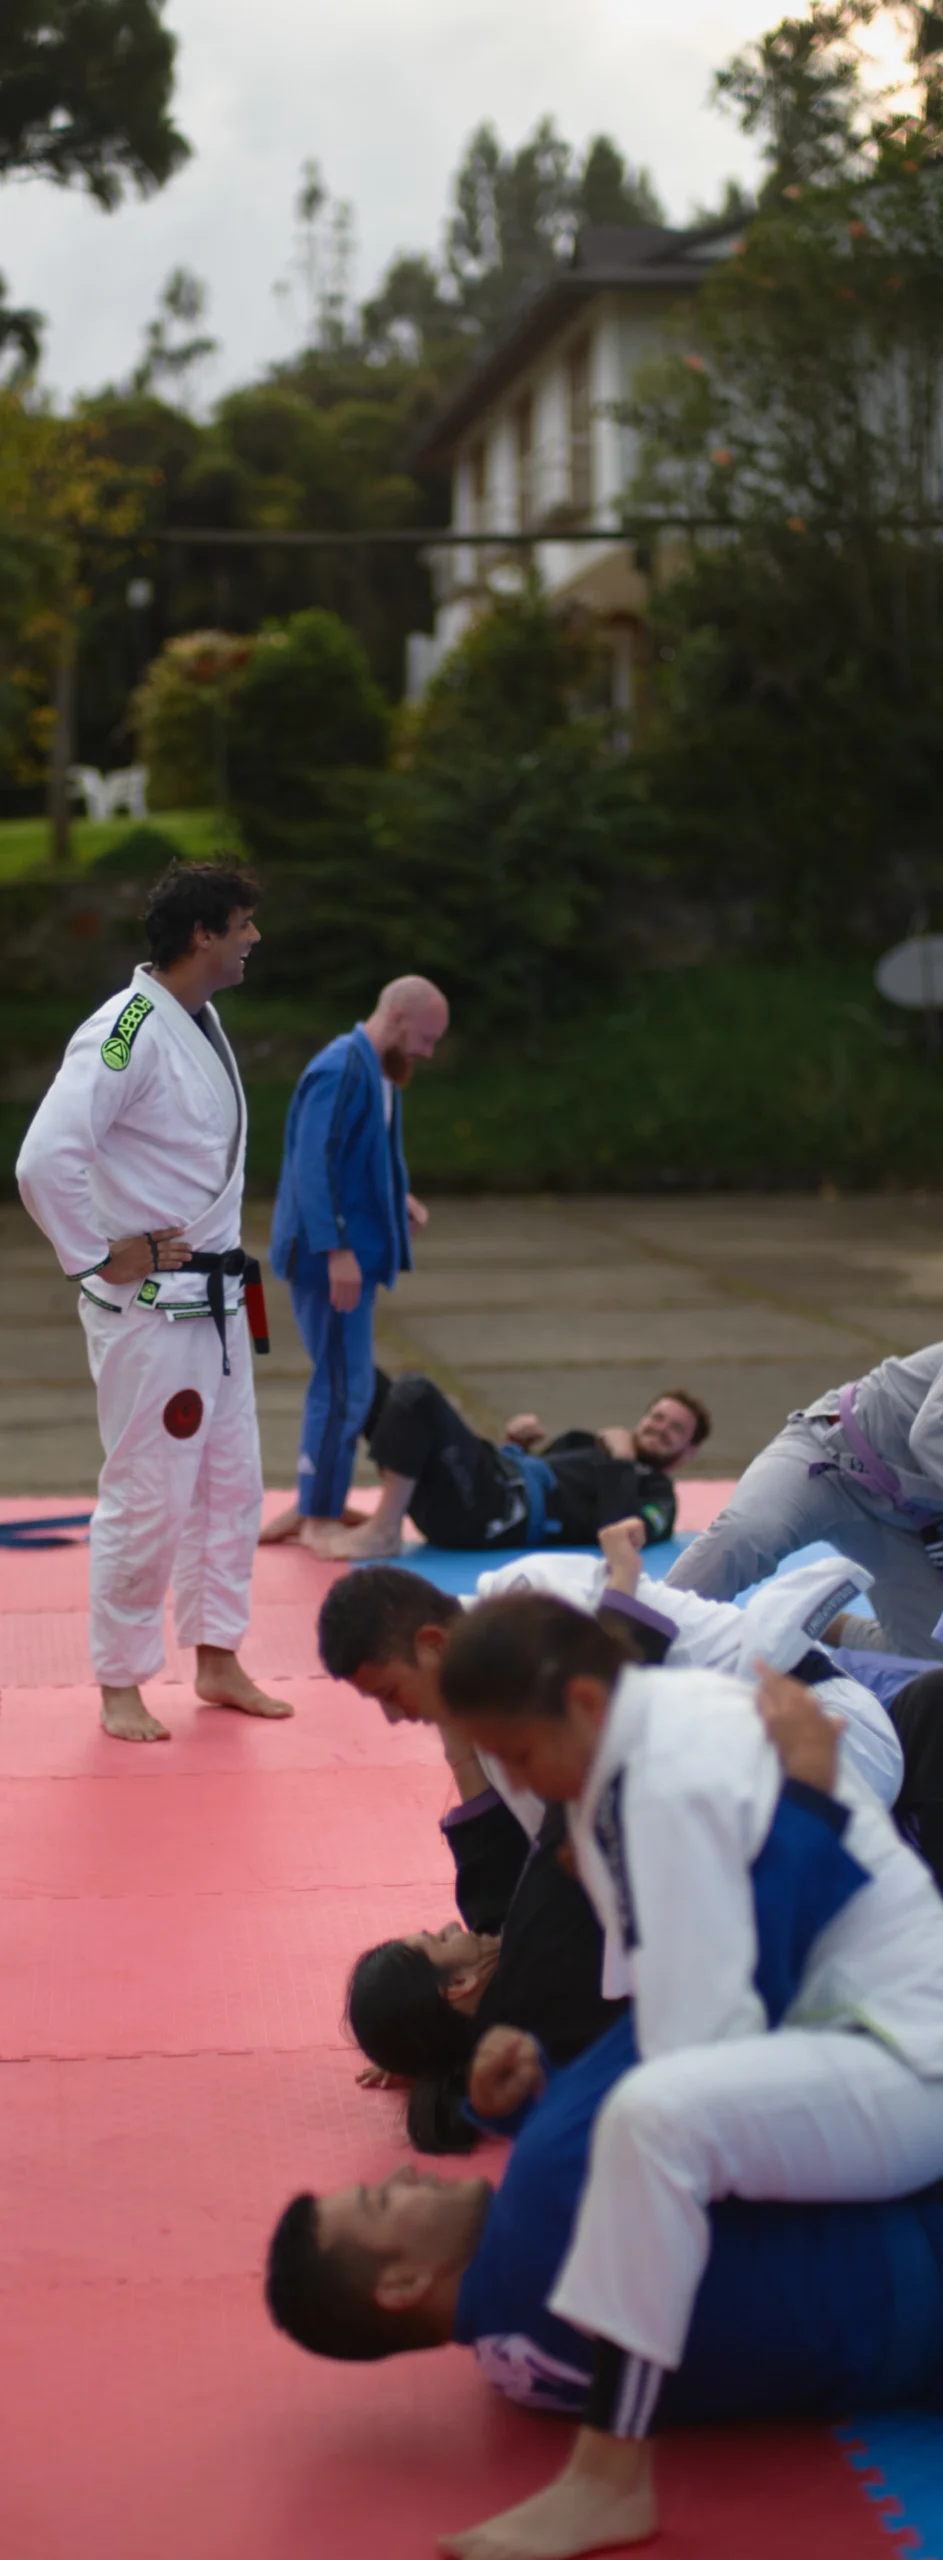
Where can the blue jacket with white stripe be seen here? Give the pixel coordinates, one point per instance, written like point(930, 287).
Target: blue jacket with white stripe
point(343, 1179)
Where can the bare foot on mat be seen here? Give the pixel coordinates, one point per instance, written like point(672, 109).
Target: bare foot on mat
point(222, 1682)
point(329, 1538)
point(586, 2509)
point(286, 1524)
point(127, 1719)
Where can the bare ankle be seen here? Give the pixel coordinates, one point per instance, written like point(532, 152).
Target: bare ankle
point(624, 2462)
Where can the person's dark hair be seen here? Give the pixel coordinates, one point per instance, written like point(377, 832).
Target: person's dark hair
point(375, 1615)
point(435, 2116)
point(516, 1656)
point(703, 1422)
point(192, 894)
point(396, 2010)
point(324, 2298)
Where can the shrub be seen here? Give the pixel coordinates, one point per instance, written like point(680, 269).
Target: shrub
point(521, 823)
point(180, 713)
point(306, 709)
point(143, 852)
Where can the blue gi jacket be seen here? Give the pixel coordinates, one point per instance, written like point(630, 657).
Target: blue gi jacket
point(343, 1179)
point(803, 2310)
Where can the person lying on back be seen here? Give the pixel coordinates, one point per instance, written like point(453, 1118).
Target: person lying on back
point(803, 2311)
point(530, 1491)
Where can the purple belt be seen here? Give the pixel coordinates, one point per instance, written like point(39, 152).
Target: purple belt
point(873, 1472)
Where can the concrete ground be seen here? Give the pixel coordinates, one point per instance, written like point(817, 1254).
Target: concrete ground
point(580, 1310)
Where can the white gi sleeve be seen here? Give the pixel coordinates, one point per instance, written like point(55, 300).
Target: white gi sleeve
point(61, 1143)
point(926, 1435)
point(577, 1578)
point(690, 1844)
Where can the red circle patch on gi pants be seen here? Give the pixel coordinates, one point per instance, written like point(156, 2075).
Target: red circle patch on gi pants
point(184, 1413)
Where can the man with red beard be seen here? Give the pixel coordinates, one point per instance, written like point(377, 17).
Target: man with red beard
point(341, 1230)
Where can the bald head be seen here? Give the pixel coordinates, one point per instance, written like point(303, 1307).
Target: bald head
point(406, 1025)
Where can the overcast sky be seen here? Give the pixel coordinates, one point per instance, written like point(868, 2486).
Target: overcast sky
point(383, 93)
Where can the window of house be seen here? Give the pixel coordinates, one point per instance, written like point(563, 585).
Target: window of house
point(581, 447)
point(524, 459)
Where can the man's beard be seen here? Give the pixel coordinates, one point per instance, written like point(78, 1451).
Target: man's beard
point(399, 1069)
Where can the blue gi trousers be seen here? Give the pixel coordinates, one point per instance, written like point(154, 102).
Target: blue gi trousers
point(339, 1394)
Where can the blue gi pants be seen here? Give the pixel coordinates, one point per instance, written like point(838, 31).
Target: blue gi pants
point(338, 1398)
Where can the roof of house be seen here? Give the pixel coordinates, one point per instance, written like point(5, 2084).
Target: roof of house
point(646, 255)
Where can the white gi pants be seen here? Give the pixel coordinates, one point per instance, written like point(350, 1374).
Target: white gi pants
point(800, 2116)
point(185, 1510)
point(778, 1507)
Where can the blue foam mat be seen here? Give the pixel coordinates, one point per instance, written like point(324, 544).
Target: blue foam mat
point(457, 1569)
point(904, 2451)
point(454, 1570)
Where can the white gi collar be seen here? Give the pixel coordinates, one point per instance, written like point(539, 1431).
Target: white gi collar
point(212, 1055)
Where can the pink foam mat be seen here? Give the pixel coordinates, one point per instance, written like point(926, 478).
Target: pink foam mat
point(260, 1831)
point(178, 1923)
point(56, 1733)
point(182, 2425)
point(189, 1972)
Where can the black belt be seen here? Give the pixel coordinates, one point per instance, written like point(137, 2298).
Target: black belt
point(235, 1265)
point(814, 1666)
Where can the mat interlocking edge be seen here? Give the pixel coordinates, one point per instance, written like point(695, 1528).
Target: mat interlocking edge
point(178, 1926)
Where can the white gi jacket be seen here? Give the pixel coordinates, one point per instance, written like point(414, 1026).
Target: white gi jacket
point(685, 1783)
point(144, 1127)
point(778, 1625)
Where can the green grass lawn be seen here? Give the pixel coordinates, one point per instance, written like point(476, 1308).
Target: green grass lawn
point(24, 842)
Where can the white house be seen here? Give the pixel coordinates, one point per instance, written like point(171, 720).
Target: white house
point(534, 445)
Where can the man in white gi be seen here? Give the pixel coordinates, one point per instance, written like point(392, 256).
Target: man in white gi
point(133, 1167)
point(791, 2040)
point(385, 1631)
point(864, 1468)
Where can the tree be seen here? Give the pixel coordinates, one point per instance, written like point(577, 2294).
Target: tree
point(85, 89)
point(608, 191)
point(734, 204)
point(798, 644)
point(167, 348)
point(516, 215)
point(323, 261)
point(411, 318)
point(59, 495)
point(513, 838)
point(20, 340)
point(304, 710)
point(800, 89)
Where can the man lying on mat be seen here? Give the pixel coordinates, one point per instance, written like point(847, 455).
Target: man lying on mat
point(789, 2024)
point(463, 1491)
point(802, 2311)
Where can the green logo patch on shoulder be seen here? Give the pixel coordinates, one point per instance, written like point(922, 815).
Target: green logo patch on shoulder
point(116, 1050)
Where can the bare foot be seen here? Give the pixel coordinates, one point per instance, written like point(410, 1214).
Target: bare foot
point(286, 1524)
point(222, 1682)
point(330, 1538)
point(289, 1524)
point(125, 1716)
point(585, 2510)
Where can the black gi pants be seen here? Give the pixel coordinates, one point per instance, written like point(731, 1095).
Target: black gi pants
point(465, 1492)
point(917, 1716)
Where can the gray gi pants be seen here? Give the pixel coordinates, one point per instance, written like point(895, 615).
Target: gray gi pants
point(778, 1507)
